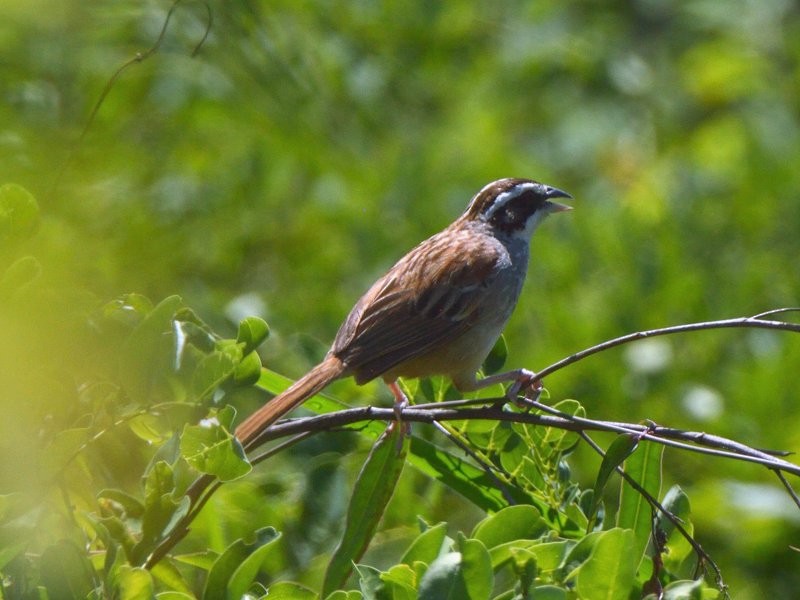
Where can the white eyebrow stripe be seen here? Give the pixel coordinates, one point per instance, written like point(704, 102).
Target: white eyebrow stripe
point(507, 197)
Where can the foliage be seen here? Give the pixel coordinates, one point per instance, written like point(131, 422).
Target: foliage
point(277, 173)
point(165, 370)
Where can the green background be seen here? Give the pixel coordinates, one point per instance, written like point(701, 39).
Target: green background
point(308, 145)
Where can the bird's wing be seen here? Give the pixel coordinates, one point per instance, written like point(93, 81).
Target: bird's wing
point(427, 299)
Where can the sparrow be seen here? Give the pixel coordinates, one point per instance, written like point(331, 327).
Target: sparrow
point(440, 309)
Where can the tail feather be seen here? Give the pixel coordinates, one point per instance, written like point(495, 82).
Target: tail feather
point(311, 383)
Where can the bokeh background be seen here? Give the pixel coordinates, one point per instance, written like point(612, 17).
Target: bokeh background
point(308, 145)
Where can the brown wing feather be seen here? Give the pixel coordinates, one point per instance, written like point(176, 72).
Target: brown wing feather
point(398, 318)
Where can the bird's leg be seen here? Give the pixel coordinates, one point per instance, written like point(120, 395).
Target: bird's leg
point(525, 380)
point(400, 402)
point(522, 379)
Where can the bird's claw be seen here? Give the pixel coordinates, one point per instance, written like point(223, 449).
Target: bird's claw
point(529, 385)
point(400, 402)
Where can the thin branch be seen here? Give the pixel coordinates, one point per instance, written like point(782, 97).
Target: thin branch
point(142, 56)
point(702, 555)
point(487, 466)
point(136, 59)
point(776, 311)
point(754, 322)
point(199, 494)
point(693, 441)
point(700, 442)
point(497, 410)
point(795, 498)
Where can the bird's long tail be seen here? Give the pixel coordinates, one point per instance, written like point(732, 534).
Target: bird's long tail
point(311, 383)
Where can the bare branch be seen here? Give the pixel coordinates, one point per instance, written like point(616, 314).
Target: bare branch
point(497, 409)
point(693, 441)
point(752, 322)
point(702, 555)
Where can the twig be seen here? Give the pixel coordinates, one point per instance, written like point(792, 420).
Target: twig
point(199, 494)
point(136, 59)
point(702, 555)
point(462, 410)
point(700, 442)
point(754, 322)
point(487, 467)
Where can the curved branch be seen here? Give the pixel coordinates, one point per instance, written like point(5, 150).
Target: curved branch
point(754, 322)
point(703, 556)
point(136, 59)
point(693, 441)
point(496, 410)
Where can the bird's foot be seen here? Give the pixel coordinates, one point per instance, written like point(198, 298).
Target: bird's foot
point(400, 402)
point(528, 384)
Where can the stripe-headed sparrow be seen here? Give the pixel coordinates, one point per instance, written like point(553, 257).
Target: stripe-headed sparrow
point(440, 308)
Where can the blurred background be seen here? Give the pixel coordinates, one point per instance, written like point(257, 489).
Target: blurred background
point(308, 145)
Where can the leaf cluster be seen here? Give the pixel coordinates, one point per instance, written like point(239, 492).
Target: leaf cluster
point(117, 481)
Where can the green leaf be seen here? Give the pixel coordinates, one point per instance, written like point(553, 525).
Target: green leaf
point(511, 523)
point(62, 450)
point(525, 567)
point(211, 448)
point(547, 592)
point(371, 584)
point(248, 569)
point(66, 571)
point(510, 528)
point(549, 555)
point(288, 590)
point(477, 568)
point(252, 332)
point(610, 571)
point(549, 440)
point(373, 490)
point(621, 448)
point(464, 575)
point(234, 569)
point(19, 213)
point(162, 511)
point(175, 596)
point(457, 474)
point(160, 423)
point(635, 512)
point(248, 371)
point(346, 595)
point(686, 590)
point(13, 541)
point(18, 275)
point(168, 574)
point(159, 481)
point(132, 583)
point(427, 546)
point(225, 417)
point(131, 505)
point(444, 579)
point(212, 371)
point(148, 353)
point(400, 582)
point(679, 558)
point(202, 560)
point(126, 311)
point(579, 554)
point(496, 359)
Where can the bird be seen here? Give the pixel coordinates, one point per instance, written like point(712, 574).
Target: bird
point(440, 309)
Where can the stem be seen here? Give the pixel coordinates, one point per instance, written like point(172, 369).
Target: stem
point(754, 322)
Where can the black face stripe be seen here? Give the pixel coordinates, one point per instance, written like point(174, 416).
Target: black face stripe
point(511, 209)
point(509, 204)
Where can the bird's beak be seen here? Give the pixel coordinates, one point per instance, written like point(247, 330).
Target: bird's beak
point(556, 206)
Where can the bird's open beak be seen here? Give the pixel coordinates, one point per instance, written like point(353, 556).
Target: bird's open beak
point(556, 206)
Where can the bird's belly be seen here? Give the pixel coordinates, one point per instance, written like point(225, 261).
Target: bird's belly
point(461, 356)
